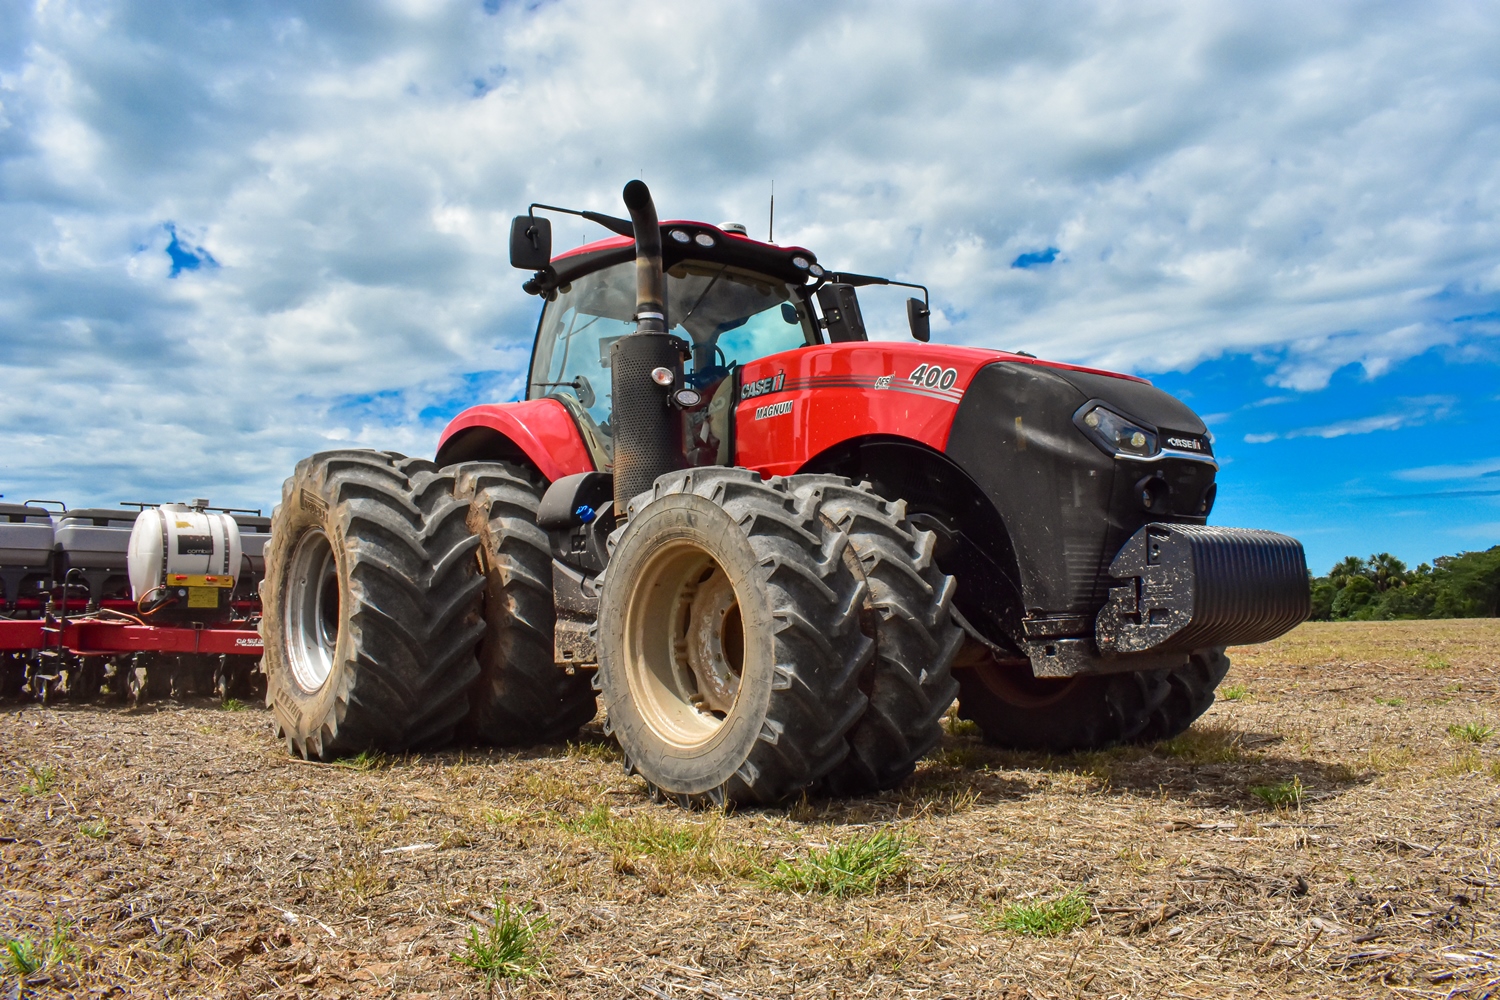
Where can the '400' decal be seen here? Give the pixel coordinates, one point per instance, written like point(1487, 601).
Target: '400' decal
point(934, 376)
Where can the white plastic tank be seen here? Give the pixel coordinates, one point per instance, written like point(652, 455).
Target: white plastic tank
point(183, 546)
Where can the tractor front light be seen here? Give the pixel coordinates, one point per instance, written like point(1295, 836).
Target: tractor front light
point(662, 376)
point(1117, 434)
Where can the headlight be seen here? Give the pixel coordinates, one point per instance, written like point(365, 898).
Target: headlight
point(1116, 434)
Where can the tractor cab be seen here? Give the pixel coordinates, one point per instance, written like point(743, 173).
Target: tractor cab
point(729, 299)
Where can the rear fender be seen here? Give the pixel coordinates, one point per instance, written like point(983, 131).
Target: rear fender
point(539, 432)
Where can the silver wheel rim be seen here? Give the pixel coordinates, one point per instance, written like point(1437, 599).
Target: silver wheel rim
point(312, 610)
point(684, 645)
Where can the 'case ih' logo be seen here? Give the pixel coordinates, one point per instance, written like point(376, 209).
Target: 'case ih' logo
point(1192, 444)
point(253, 641)
point(761, 387)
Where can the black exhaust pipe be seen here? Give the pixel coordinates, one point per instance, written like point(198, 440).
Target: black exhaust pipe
point(650, 294)
point(647, 429)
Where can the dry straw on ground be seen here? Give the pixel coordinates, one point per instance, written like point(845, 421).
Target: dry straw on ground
point(1331, 830)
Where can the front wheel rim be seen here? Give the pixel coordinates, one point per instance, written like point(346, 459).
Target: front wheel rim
point(312, 603)
point(684, 646)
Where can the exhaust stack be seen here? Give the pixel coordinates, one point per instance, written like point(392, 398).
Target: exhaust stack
point(647, 429)
point(650, 293)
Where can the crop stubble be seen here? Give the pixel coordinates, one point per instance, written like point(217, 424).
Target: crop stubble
point(183, 854)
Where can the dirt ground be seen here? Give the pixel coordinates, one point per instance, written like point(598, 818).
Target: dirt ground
point(177, 851)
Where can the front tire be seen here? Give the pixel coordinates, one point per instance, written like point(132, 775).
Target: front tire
point(910, 684)
point(730, 647)
point(1017, 710)
point(371, 606)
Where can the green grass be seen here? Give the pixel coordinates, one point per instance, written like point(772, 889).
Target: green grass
point(1471, 732)
point(234, 705)
point(1390, 702)
point(1233, 692)
point(683, 846)
point(98, 829)
point(1205, 745)
point(366, 760)
point(1436, 662)
point(1046, 918)
point(23, 956)
point(964, 727)
point(508, 948)
point(40, 780)
point(592, 751)
point(1282, 795)
point(856, 867)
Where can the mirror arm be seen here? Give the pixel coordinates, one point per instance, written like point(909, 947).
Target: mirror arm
point(622, 227)
point(859, 280)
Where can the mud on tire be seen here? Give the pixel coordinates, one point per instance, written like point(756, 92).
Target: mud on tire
point(371, 605)
point(522, 696)
point(729, 639)
point(910, 682)
point(1016, 710)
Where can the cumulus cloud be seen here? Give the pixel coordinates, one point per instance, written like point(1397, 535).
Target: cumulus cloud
point(235, 234)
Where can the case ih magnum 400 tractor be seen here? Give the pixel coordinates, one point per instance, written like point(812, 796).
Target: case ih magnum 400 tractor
point(778, 550)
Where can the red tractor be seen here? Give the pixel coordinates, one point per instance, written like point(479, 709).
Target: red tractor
point(776, 549)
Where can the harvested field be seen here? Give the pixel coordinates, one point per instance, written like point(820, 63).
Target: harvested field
point(1330, 828)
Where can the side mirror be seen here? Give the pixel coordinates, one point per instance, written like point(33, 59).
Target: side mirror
point(918, 317)
point(841, 315)
point(530, 242)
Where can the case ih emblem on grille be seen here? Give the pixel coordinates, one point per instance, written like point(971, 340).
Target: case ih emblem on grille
point(773, 410)
point(763, 386)
point(1192, 444)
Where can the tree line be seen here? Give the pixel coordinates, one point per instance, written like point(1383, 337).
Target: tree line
point(1382, 588)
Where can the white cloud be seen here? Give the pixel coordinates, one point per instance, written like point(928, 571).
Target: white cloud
point(1437, 473)
point(1313, 184)
point(1415, 411)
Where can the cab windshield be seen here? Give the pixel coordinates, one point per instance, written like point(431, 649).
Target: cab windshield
point(730, 317)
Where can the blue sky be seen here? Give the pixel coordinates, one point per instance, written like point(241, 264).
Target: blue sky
point(234, 234)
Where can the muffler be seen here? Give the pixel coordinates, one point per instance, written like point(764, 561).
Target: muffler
point(647, 428)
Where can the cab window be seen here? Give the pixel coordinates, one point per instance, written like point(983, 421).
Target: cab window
point(729, 316)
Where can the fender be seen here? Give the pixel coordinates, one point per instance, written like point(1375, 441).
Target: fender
point(541, 431)
point(797, 404)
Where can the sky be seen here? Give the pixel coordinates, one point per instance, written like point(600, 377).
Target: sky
point(234, 234)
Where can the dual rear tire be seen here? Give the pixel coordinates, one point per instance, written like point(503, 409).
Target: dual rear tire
point(405, 605)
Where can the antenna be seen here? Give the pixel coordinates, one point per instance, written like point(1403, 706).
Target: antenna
point(771, 225)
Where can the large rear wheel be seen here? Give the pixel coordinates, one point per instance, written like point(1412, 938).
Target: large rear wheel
point(522, 695)
point(729, 639)
point(371, 605)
